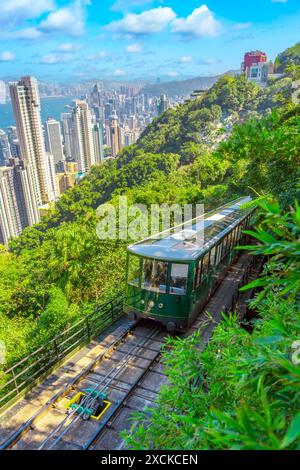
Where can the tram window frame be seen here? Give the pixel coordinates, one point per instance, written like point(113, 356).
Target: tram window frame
point(183, 289)
point(131, 257)
point(161, 288)
point(205, 266)
point(198, 274)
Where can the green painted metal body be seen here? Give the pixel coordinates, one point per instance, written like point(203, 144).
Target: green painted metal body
point(179, 309)
point(158, 295)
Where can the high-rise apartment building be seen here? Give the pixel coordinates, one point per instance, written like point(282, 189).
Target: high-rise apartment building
point(115, 135)
point(18, 207)
point(10, 223)
point(83, 136)
point(27, 110)
point(163, 104)
point(13, 142)
point(27, 207)
point(5, 152)
point(53, 140)
point(51, 180)
point(68, 135)
point(98, 143)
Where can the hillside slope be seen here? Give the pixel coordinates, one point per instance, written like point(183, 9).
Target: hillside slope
point(230, 100)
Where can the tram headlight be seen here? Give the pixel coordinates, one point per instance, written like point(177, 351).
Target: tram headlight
point(142, 302)
point(160, 305)
point(151, 304)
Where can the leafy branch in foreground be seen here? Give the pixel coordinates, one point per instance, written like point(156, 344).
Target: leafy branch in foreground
point(278, 236)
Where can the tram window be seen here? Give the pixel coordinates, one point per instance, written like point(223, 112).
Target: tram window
point(198, 274)
point(205, 266)
point(134, 270)
point(154, 276)
point(179, 277)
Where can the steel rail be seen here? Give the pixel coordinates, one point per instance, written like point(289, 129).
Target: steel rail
point(7, 443)
point(97, 435)
point(89, 399)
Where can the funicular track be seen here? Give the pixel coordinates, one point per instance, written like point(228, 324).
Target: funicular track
point(130, 373)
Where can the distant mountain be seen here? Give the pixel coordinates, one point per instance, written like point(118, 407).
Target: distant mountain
point(184, 87)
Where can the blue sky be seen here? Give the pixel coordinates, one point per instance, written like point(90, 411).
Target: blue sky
point(61, 40)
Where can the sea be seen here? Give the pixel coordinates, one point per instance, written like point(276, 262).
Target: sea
point(50, 107)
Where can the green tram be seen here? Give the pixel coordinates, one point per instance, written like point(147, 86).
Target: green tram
point(171, 277)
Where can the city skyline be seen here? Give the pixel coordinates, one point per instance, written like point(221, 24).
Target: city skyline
point(40, 160)
point(139, 39)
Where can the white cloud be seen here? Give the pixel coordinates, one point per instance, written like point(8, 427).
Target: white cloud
point(241, 26)
point(150, 21)
point(279, 1)
point(186, 59)
point(200, 23)
point(173, 74)
point(7, 56)
point(209, 61)
point(68, 47)
point(119, 73)
point(98, 56)
point(29, 34)
point(52, 59)
point(14, 11)
point(101, 55)
point(67, 20)
point(134, 48)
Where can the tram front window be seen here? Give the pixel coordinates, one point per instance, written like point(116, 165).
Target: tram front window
point(154, 276)
point(179, 277)
point(134, 270)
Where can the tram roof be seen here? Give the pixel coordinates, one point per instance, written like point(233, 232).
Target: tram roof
point(196, 238)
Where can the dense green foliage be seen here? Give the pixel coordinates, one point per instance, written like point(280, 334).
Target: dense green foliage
point(290, 56)
point(243, 390)
point(203, 120)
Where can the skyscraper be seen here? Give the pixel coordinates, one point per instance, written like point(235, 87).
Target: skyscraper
point(5, 152)
point(10, 223)
point(27, 207)
point(163, 104)
point(27, 110)
point(18, 207)
point(98, 143)
point(13, 142)
point(53, 140)
point(115, 135)
point(83, 136)
point(68, 135)
point(51, 180)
